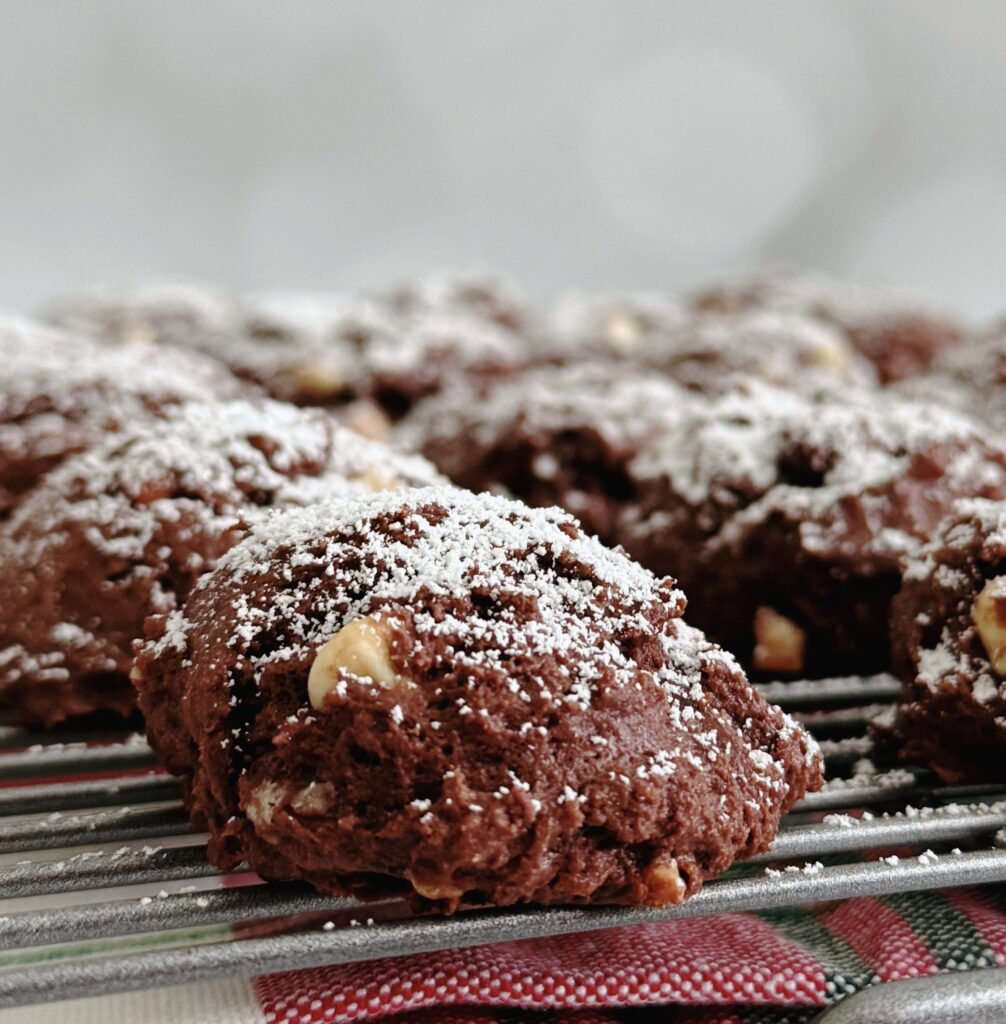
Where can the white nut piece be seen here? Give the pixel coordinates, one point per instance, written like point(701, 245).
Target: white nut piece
point(368, 420)
point(623, 331)
point(664, 884)
point(780, 644)
point(438, 890)
point(375, 479)
point(831, 354)
point(989, 616)
point(139, 333)
point(319, 378)
point(263, 803)
point(315, 798)
point(361, 648)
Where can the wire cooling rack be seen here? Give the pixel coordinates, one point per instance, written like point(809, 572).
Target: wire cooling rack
point(105, 888)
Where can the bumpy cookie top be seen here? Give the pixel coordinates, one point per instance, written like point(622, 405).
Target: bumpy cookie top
point(326, 346)
point(47, 370)
point(784, 348)
point(504, 589)
point(123, 529)
point(970, 377)
point(60, 393)
point(230, 460)
point(851, 304)
point(166, 312)
point(423, 339)
point(621, 324)
point(305, 346)
point(353, 557)
point(620, 403)
point(312, 347)
point(761, 452)
point(485, 296)
point(294, 343)
point(20, 334)
point(981, 361)
point(897, 332)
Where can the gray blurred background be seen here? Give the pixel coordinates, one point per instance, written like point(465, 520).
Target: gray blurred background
point(340, 143)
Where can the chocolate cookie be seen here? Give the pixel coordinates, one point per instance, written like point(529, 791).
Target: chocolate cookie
point(898, 333)
point(484, 296)
point(463, 698)
point(148, 315)
point(564, 435)
point(706, 353)
point(550, 436)
point(970, 377)
point(310, 348)
point(948, 638)
point(60, 393)
point(611, 324)
point(124, 529)
point(787, 519)
point(293, 345)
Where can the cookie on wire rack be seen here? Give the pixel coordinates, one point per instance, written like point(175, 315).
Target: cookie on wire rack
point(899, 333)
point(554, 435)
point(355, 353)
point(949, 641)
point(787, 519)
point(124, 530)
point(706, 353)
point(61, 393)
point(460, 698)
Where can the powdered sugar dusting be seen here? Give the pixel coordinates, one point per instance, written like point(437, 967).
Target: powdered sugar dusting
point(76, 377)
point(485, 296)
point(207, 471)
point(849, 444)
point(780, 346)
point(230, 458)
point(622, 407)
point(968, 377)
point(783, 348)
point(958, 661)
point(848, 303)
point(305, 346)
point(622, 324)
point(156, 312)
point(353, 340)
point(393, 554)
point(60, 393)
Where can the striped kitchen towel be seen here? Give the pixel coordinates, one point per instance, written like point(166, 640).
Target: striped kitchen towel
point(773, 967)
point(800, 959)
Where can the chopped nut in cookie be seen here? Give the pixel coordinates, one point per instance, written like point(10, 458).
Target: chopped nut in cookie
point(434, 678)
point(379, 479)
point(129, 527)
point(664, 884)
point(948, 646)
point(361, 648)
point(989, 615)
point(808, 504)
point(437, 890)
point(780, 643)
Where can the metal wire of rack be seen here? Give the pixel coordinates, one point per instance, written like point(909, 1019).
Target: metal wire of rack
point(86, 863)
